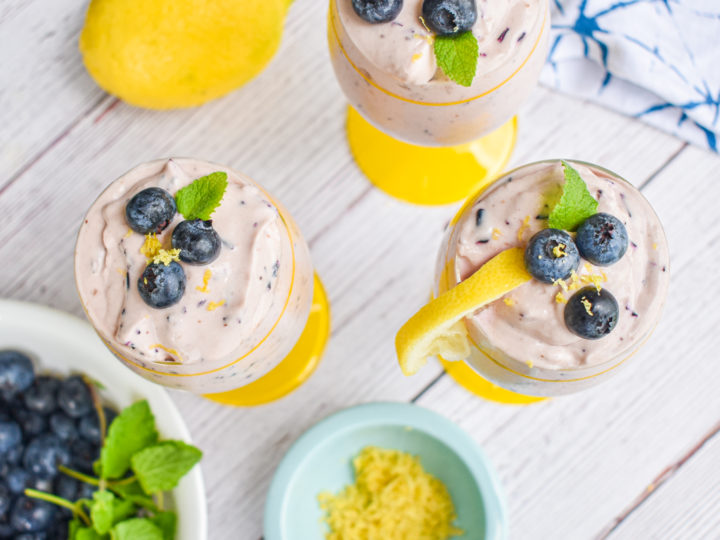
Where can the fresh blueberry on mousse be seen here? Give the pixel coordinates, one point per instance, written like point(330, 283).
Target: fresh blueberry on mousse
point(197, 241)
point(591, 314)
point(449, 17)
point(602, 239)
point(162, 285)
point(550, 255)
point(150, 210)
point(377, 11)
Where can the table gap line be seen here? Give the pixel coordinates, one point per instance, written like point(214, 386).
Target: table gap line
point(659, 481)
point(662, 167)
point(428, 386)
point(44, 151)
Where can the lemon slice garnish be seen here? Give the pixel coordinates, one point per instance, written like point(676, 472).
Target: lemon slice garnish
point(438, 327)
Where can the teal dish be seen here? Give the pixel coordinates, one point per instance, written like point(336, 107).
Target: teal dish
point(320, 460)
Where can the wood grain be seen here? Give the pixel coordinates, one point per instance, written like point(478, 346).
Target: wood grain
point(572, 468)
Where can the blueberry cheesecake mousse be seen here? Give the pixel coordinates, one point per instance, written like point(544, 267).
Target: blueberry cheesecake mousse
point(598, 267)
point(438, 72)
point(193, 275)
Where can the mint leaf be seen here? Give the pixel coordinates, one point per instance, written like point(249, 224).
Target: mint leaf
point(575, 204)
point(200, 199)
point(135, 494)
point(137, 529)
point(167, 523)
point(160, 467)
point(123, 509)
point(101, 511)
point(86, 533)
point(457, 56)
point(130, 432)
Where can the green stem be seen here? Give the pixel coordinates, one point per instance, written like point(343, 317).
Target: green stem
point(98, 408)
point(54, 499)
point(123, 482)
point(159, 497)
point(79, 476)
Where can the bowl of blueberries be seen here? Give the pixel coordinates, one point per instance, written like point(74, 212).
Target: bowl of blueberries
point(59, 390)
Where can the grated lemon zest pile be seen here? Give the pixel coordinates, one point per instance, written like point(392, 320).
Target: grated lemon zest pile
point(212, 306)
point(393, 498)
point(166, 256)
point(151, 246)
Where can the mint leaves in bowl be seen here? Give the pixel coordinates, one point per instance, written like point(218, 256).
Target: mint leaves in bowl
point(134, 471)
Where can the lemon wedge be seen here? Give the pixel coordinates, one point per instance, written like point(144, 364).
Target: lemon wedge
point(438, 327)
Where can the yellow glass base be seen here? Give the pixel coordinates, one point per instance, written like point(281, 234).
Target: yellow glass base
point(297, 366)
point(428, 175)
point(469, 379)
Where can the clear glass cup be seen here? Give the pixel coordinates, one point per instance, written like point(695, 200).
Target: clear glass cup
point(506, 344)
point(241, 315)
point(439, 112)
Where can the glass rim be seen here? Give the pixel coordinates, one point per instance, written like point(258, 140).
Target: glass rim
point(605, 366)
point(138, 365)
point(333, 28)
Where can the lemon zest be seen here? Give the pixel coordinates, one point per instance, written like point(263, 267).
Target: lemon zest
point(392, 497)
point(575, 281)
point(166, 256)
point(151, 246)
point(525, 225)
point(559, 251)
point(169, 351)
point(655, 246)
point(496, 233)
point(560, 298)
point(416, 57)
point(509, 301)
point(562, 283)
point(206, 279)
point(588, 306)
point(212, 306)
point(128, 234)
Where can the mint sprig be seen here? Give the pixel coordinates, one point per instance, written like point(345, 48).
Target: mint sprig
point(133, 471)
point(199, 199)
point(575, 204)
point(457, 56)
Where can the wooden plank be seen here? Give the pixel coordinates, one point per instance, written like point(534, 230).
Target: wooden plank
point(685, 507)
point(571, 465)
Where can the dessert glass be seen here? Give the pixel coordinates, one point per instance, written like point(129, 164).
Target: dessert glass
point(234, 338)
point(434, 142)
point(510, 365)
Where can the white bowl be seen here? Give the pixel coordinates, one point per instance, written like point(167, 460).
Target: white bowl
point(61, 343)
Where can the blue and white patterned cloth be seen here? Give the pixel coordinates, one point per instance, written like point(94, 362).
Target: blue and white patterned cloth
point(658, 60)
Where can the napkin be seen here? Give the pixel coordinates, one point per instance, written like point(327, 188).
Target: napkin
point(657, 60)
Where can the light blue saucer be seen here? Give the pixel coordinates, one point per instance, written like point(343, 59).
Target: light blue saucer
point(320, 460)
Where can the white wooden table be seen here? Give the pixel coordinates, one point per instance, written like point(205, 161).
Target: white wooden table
point(636, 458)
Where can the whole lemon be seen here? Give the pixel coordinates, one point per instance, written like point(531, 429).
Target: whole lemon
point(164, 54)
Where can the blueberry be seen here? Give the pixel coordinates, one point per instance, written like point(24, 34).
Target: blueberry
point(150, 211)
point(89, 427)
point(65, 487)
point(74, 397)
point(17, 480)
point(591, 314)
point(32, 536)
point(6, 530)
point(40, 483)
point(197, 241)
point(41, 396)
point(110, 415)
point(16, 372)
point(31, 423)
point(14, 455)
point(448, 17)
point(63, 426)
point(86, 491)
point(602, 239)
point(44, 454)
point(83, 454)
point(377, 11)
point(550, 255)
point(5, 499)
point(161, 286)
point(10, 435)
point(31, 515)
